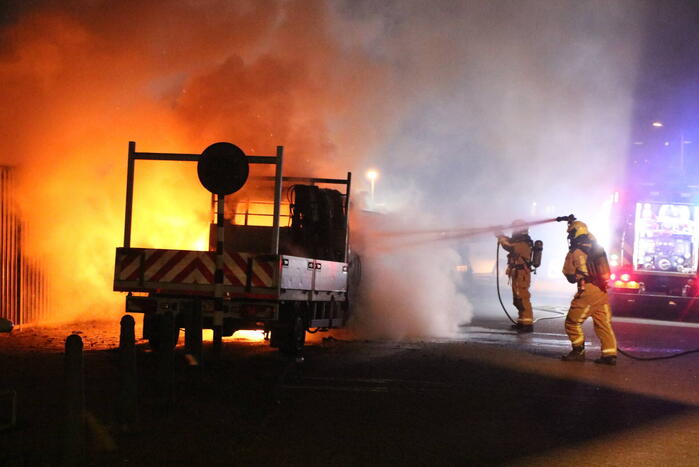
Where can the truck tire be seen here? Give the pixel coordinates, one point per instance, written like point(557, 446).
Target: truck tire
point(294, 337)
point(151, 330)
point(154, 342)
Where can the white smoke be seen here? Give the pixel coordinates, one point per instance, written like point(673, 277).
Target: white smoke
point(507, 110)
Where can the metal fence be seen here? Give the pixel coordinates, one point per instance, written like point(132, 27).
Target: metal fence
point(23, 294)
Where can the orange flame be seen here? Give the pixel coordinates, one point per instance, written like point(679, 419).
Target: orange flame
point(259, 213)
point(79, 86)
point(171, 208)
point(242, 335)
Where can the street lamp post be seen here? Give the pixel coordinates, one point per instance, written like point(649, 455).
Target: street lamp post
point(372, 175)
point(659, 124)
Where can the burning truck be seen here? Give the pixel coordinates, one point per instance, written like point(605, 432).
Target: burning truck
point(278, 256)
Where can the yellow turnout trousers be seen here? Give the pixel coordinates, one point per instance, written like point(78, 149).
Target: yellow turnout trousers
point(591, 302)
point(521, 280)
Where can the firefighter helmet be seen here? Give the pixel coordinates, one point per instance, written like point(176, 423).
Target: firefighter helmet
point(519, 227)
point(576, 229)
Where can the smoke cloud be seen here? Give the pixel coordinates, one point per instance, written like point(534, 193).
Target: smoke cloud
point(474, 113)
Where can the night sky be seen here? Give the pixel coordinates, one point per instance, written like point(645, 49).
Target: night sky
point(667, 91)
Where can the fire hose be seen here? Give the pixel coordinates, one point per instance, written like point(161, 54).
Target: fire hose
point(454, 233)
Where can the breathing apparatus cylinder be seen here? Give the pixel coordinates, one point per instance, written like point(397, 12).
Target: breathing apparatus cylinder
point(598, 265)
point(537, 250)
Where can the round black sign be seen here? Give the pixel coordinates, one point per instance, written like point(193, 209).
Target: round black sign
point(223, 168)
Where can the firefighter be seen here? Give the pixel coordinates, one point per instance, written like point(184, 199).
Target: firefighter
point(519, 248)
point(591, 298)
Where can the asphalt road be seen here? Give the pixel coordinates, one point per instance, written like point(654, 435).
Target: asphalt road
point(484, 396)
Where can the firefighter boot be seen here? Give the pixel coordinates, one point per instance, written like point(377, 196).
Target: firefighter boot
point(606, 360)
point(523, 328)
point(575, 355)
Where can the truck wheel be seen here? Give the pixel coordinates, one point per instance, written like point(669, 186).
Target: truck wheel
point(154, 342)
point(151, 326)
point(295, 337)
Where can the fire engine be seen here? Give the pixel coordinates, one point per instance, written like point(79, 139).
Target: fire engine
point(278, 257)
point(653, 251)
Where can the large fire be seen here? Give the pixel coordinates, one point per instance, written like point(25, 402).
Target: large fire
point(78, 84)
point(260, 213)
point(171, 208)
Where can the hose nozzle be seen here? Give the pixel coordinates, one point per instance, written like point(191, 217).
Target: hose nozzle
point(568, 218)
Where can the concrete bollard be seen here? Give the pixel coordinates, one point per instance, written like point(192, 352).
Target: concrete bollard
point(128, 395)
point(6, 325)
point(74, 399)
point(166, 356)
point(11, 396)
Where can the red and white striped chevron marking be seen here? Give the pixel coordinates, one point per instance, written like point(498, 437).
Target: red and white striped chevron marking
point(128, 262)
point(235, 267)
point(173, 266)
point(194, 267)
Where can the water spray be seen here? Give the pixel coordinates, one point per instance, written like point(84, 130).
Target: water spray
point(416, 237)
point(469, 231)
